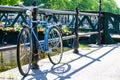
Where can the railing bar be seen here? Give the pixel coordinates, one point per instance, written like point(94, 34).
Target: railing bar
point(88, 14)
point(56, 11)
point(42, 41)
point(23, 9)
point(12, 8)
point(8, 47)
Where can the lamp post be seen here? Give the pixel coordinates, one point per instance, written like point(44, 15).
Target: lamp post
point(99, 23)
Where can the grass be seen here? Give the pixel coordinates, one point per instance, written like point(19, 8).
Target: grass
point(84, 47)
point(7, 66)
point(42, 56)
point(66, 49)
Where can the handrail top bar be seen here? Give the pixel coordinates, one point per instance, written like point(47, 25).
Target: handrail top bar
point(65, 12)
point(88, 14)
point(12, 8)
point(57, 11)
point(40, 10)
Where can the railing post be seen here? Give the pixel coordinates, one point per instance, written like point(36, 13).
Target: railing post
point(35, 51)
point(76, 39)
point(99, 25)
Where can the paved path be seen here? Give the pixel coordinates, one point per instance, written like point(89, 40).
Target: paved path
point(97, 63)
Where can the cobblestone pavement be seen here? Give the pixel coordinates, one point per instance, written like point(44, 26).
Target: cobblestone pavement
point(97, 63)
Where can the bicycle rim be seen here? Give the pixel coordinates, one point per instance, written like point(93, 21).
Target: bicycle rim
point(55, 46)
point(24, 52)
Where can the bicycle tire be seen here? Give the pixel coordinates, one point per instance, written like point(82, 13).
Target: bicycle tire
point(55, 45)
point(24, 52)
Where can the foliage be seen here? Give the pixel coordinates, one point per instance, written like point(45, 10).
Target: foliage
point(110, 6)
point(40, 29)
point(9, 2)
point(65, 30)
point(16, 28)
point(84, 5)
point(88, 5)
point(92, 5)
point(1, 27)
point(27, 2)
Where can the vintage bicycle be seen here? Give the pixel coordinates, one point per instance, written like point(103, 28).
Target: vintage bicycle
point(52, 45)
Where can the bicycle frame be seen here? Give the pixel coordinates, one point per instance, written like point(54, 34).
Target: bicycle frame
point(32, 34)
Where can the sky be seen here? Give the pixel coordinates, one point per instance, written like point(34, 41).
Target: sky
point(118, 3)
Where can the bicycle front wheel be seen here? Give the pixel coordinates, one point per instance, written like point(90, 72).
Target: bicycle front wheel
point(24, 52)
point(55, 45)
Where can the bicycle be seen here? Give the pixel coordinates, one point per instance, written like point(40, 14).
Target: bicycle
point(52, 44)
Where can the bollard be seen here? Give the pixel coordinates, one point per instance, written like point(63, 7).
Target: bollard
point(76, 39)
point(35, 51)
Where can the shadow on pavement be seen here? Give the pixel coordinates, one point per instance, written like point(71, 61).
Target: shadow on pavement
point(63, 71)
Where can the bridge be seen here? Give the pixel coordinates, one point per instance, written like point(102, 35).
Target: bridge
point(76, 21)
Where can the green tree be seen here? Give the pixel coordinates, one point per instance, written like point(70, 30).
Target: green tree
point(29, 2)
point(9, 2)
point(58, 4)
point(88, 5)
point(84, 5)
point(109, 6)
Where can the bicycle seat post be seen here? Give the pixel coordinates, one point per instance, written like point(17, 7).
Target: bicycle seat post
point(35, 51)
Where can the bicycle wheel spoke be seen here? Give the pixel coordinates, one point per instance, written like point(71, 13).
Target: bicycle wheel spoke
point(24, 54)
point(55, 46)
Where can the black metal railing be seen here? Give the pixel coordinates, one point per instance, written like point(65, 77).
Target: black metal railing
point(82, 17)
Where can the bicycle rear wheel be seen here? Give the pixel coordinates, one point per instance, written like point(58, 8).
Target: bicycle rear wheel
point(24, 52)
point(55, 45)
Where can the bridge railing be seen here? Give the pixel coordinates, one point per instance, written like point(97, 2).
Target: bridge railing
point(77, 20)
point(11, 47)
point(83, 16)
